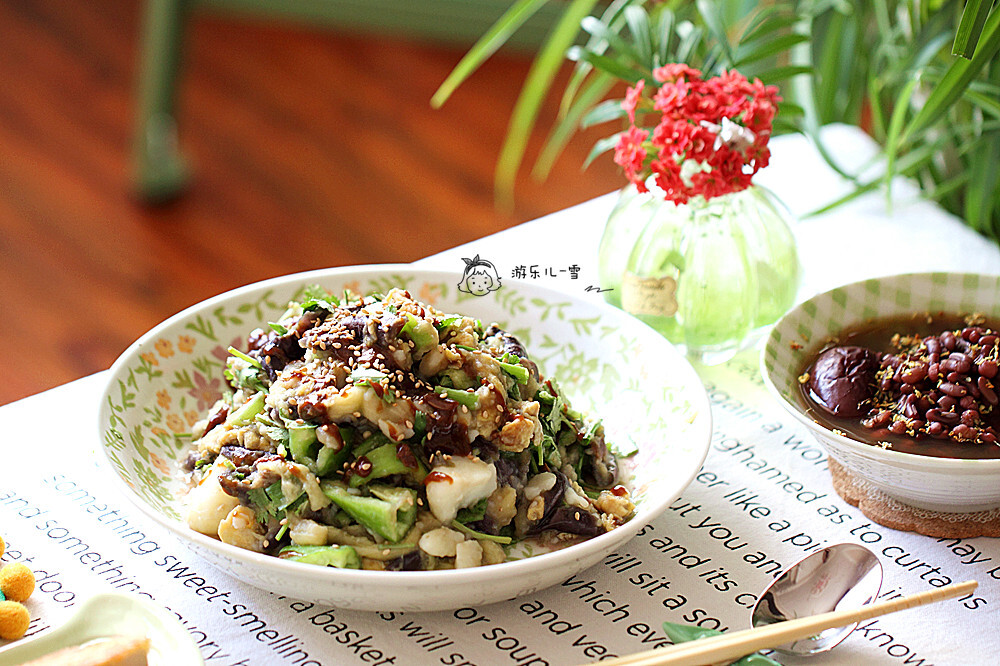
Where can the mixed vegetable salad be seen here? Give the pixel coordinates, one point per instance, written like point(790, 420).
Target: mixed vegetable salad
point(381, 433)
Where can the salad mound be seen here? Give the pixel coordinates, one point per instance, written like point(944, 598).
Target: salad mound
point(381, 433)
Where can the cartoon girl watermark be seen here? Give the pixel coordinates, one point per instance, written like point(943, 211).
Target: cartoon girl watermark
point(480, 277)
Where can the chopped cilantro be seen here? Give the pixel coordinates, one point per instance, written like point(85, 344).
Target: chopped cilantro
point(473, 513)
point(479, 535)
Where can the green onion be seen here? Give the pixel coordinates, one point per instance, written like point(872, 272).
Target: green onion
point(518, 372)
point(249, 359)
point(277, 328)
point(470, 400)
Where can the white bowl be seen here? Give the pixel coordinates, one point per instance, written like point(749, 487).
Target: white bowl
point(924, 482)
point(610, 365)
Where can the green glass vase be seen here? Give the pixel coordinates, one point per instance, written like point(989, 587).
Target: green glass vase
point(710, 275)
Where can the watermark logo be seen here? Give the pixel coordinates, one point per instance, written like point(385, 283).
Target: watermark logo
point(479, 278)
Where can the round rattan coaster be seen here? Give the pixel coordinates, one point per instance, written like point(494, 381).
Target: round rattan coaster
point(890, 512)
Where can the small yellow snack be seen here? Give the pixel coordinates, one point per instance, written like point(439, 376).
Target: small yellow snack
point(17, 582)
point(3, 547)
point(14, 620)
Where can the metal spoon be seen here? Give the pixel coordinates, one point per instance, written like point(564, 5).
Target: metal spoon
point(845, 575)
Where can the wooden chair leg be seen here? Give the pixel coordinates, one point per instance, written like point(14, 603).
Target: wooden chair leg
point(160, 171)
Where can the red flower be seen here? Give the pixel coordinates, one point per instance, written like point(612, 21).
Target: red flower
point(720, 125)
point(629, 153)
point(631, 101)
point(675, 71)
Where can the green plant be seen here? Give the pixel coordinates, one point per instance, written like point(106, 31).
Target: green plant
point(919, 75)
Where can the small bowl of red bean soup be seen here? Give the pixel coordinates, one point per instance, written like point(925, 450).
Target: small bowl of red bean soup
point(899, 379)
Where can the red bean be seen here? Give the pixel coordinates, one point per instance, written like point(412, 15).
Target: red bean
point(933, 345)
point(988, 369)
point(946, 402)
point(962, 431)
point(962, 362)
point(986, 389)
point(915, 374)
point(936, 429)
point(954, 390)
point(942, 417)
point(969, 417)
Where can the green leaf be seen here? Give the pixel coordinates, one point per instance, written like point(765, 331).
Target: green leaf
point(980, 195)
point(610, 109)
point(971, 27)
point(539, 80)
point(595, 90)
point(595, 27)
point(772, 47)
point(613, 16)
point(638, 24)
point(895, 127)
point(487, 45)
point(985, 102)
point(602, 146)
point(712, 16)
point(608, 64)
point(663, 37)
point(957, 79)
point(777, 74)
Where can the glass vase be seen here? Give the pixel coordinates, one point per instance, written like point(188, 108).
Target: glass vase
point(710, 275)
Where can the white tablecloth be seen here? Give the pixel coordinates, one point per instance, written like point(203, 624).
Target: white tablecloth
point(45, 456)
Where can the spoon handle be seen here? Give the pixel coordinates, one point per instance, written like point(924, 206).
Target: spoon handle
point(741, 643)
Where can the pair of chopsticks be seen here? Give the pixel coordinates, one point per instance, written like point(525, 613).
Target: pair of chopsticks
point(730, 647)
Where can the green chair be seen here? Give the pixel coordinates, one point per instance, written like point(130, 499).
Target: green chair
point(160, 170)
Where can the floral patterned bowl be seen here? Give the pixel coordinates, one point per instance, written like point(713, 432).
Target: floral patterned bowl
point(610, 365)
point(943, 485)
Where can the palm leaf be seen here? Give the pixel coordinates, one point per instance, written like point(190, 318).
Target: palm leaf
point(971, 27)
point(957, 79)
point(487, 45)
point(539, 80)
point(593, 92)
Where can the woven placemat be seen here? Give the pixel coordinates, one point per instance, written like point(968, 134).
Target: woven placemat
point(890, 512)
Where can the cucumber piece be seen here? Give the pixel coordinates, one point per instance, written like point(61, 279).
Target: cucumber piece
point(302, 443)
point(389, 512)
point(385, 463)
point(341, 557)
point(247, 411)
point(422, 333)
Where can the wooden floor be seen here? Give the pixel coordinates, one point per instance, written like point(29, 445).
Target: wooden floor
point(310, 149)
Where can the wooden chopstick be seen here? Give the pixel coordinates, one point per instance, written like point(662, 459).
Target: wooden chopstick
point(741, 643)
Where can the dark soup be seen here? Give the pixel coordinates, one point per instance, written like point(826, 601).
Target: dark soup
point(919, 384)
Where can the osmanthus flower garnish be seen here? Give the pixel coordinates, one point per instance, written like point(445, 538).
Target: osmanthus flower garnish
point(380, 433)
point(710, 136)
